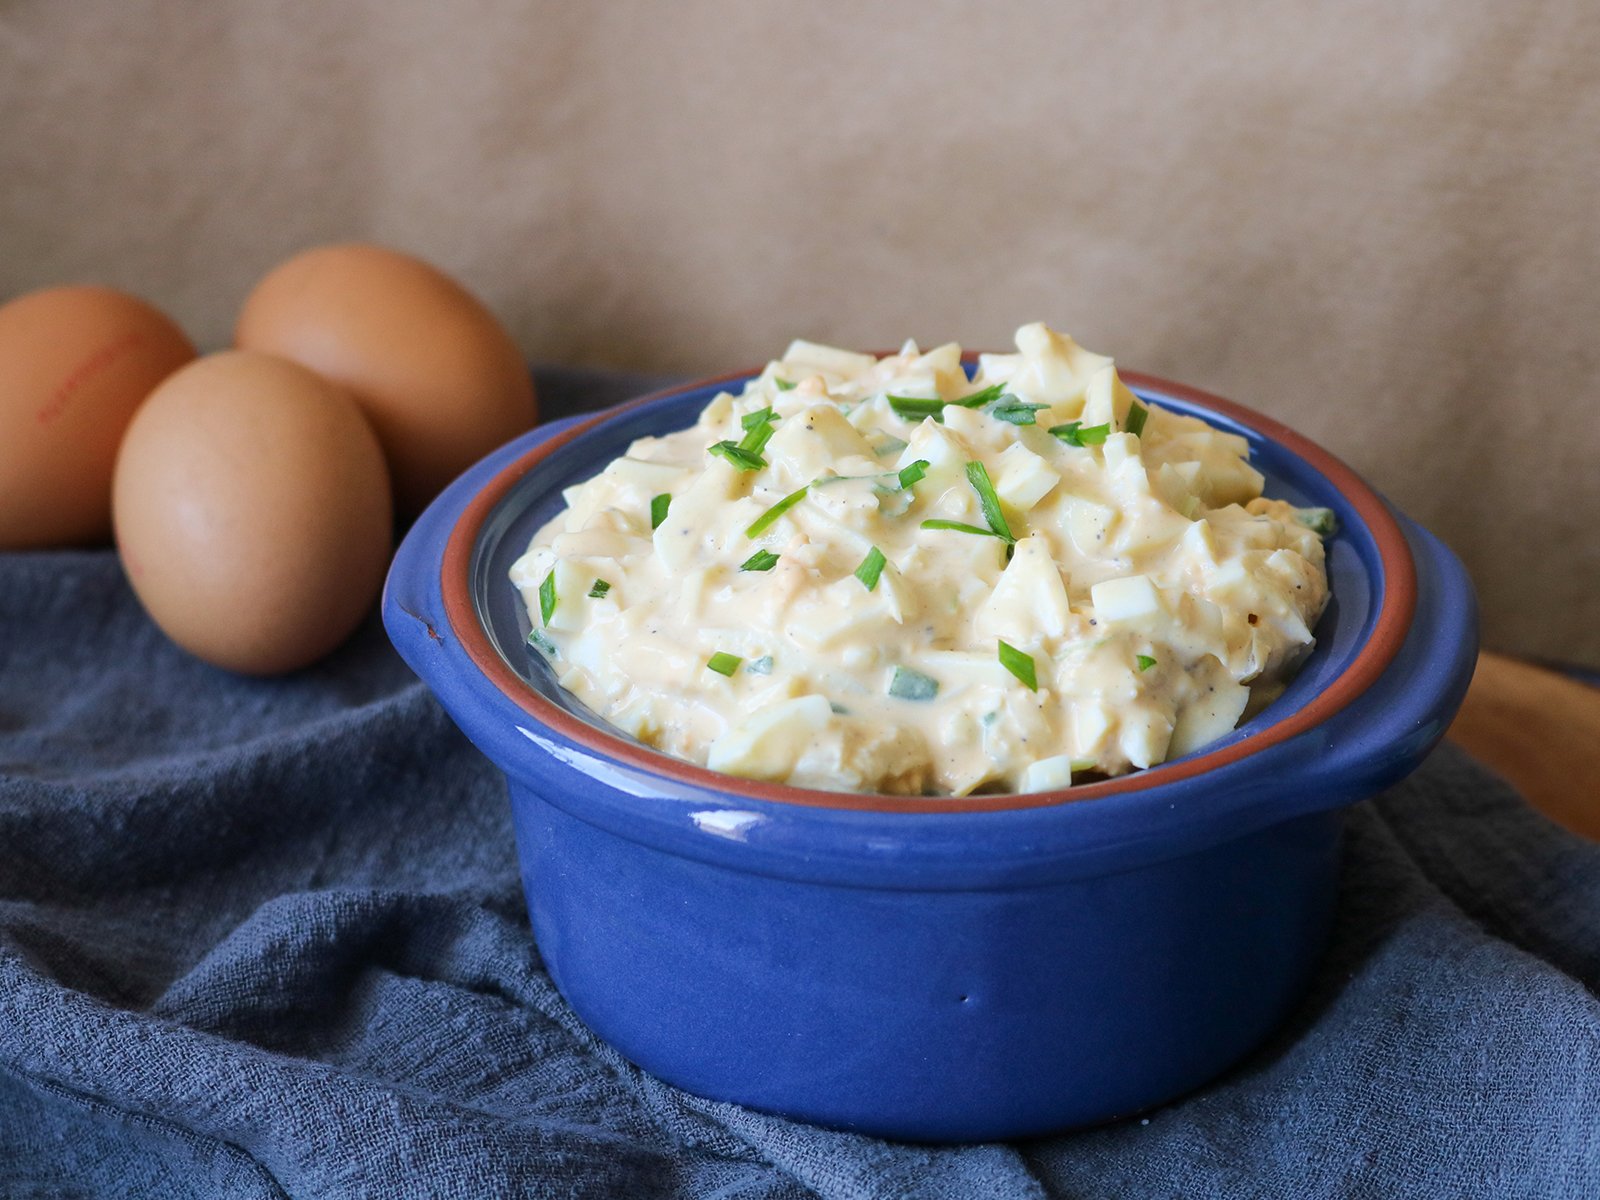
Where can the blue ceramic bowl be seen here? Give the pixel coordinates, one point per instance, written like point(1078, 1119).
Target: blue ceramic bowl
point(918, 968)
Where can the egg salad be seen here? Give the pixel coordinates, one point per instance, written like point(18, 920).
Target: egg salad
point(876, 574)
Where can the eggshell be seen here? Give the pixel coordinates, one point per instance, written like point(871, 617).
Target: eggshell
point(439, 378)
point(75, 362)
point(253, 513)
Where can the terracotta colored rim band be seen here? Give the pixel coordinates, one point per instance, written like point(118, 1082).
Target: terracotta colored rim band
point(1389, 631)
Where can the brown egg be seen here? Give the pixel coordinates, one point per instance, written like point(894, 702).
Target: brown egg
point(253, 512)
point(439, 378)
point(75, 362)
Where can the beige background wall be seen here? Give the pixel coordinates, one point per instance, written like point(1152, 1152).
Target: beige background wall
point(1378, 221)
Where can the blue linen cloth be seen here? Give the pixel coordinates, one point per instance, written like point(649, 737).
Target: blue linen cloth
point(265, 938)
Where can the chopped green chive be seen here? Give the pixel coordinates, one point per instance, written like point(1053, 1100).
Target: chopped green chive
point(889, 445)
point(1073, 434)
point(871, 567)
point(784, 385)
point(740, 457)
point(1145, 662)
point(913, 473)
point(1016, 411)
point(547, 596)
point(913, 407)
point(542, 644)
point(758, 427)
point(912, 685)
point(600, 588)
point(658, 509)
point(978, 399)
point(1137, 414)
point(760, 666)
point(1322, 521)
point(978, 477)
point(1019, 664)
point(762, 523)
point(761, 560)
point(756, 440)
point(723, 663)
point(959, 527)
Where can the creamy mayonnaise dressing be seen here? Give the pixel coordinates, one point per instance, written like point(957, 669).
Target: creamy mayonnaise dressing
point(1104, 591)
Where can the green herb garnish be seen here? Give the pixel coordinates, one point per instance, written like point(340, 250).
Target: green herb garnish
point(761, 560)
point(959, 527)
point(1137, 414)
point(600, 588)
point(759, 427)
point(658, 509)
point(547, 596)
point(1073, 434)
point(762, 523)
point(1145, 662)
point(1018, 412)
point(913, 473)
point(760, 666)
point(978, 477)
point(912, 685)
point(1321, 521)
point(784, 385)
point(912, 407)
point(1019, 664)
point(871, 567)
point(542, 644)
point(740, 457)
point(978, 399)
point(723, 663)
point(756, 440)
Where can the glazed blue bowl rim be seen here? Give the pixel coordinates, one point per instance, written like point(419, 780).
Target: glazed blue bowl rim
point(1388, 627)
